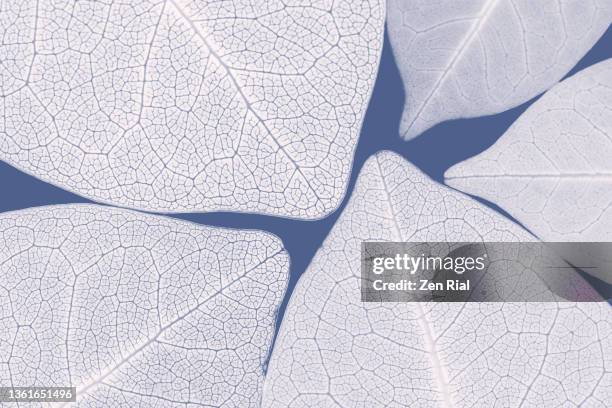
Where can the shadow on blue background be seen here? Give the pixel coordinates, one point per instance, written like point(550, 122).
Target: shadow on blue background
point(433, 152)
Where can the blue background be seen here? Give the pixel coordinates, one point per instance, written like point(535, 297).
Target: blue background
point(433, 152)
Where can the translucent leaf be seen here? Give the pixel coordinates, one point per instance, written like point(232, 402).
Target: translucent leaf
point(180, 106)
point(471, 58)
point(335, 351)
point(552, 170)
point(136, 310)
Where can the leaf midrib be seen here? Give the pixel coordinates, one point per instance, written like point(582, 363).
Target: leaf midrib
point(83, 388)
point(479, 20)
point(247, 103)
point(575, 176)
point(439, 371)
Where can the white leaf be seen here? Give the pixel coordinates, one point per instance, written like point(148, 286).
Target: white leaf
point(136, 310)
point(335, 351)
point(552, 170)
point(180, 105)
point(470, 58)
